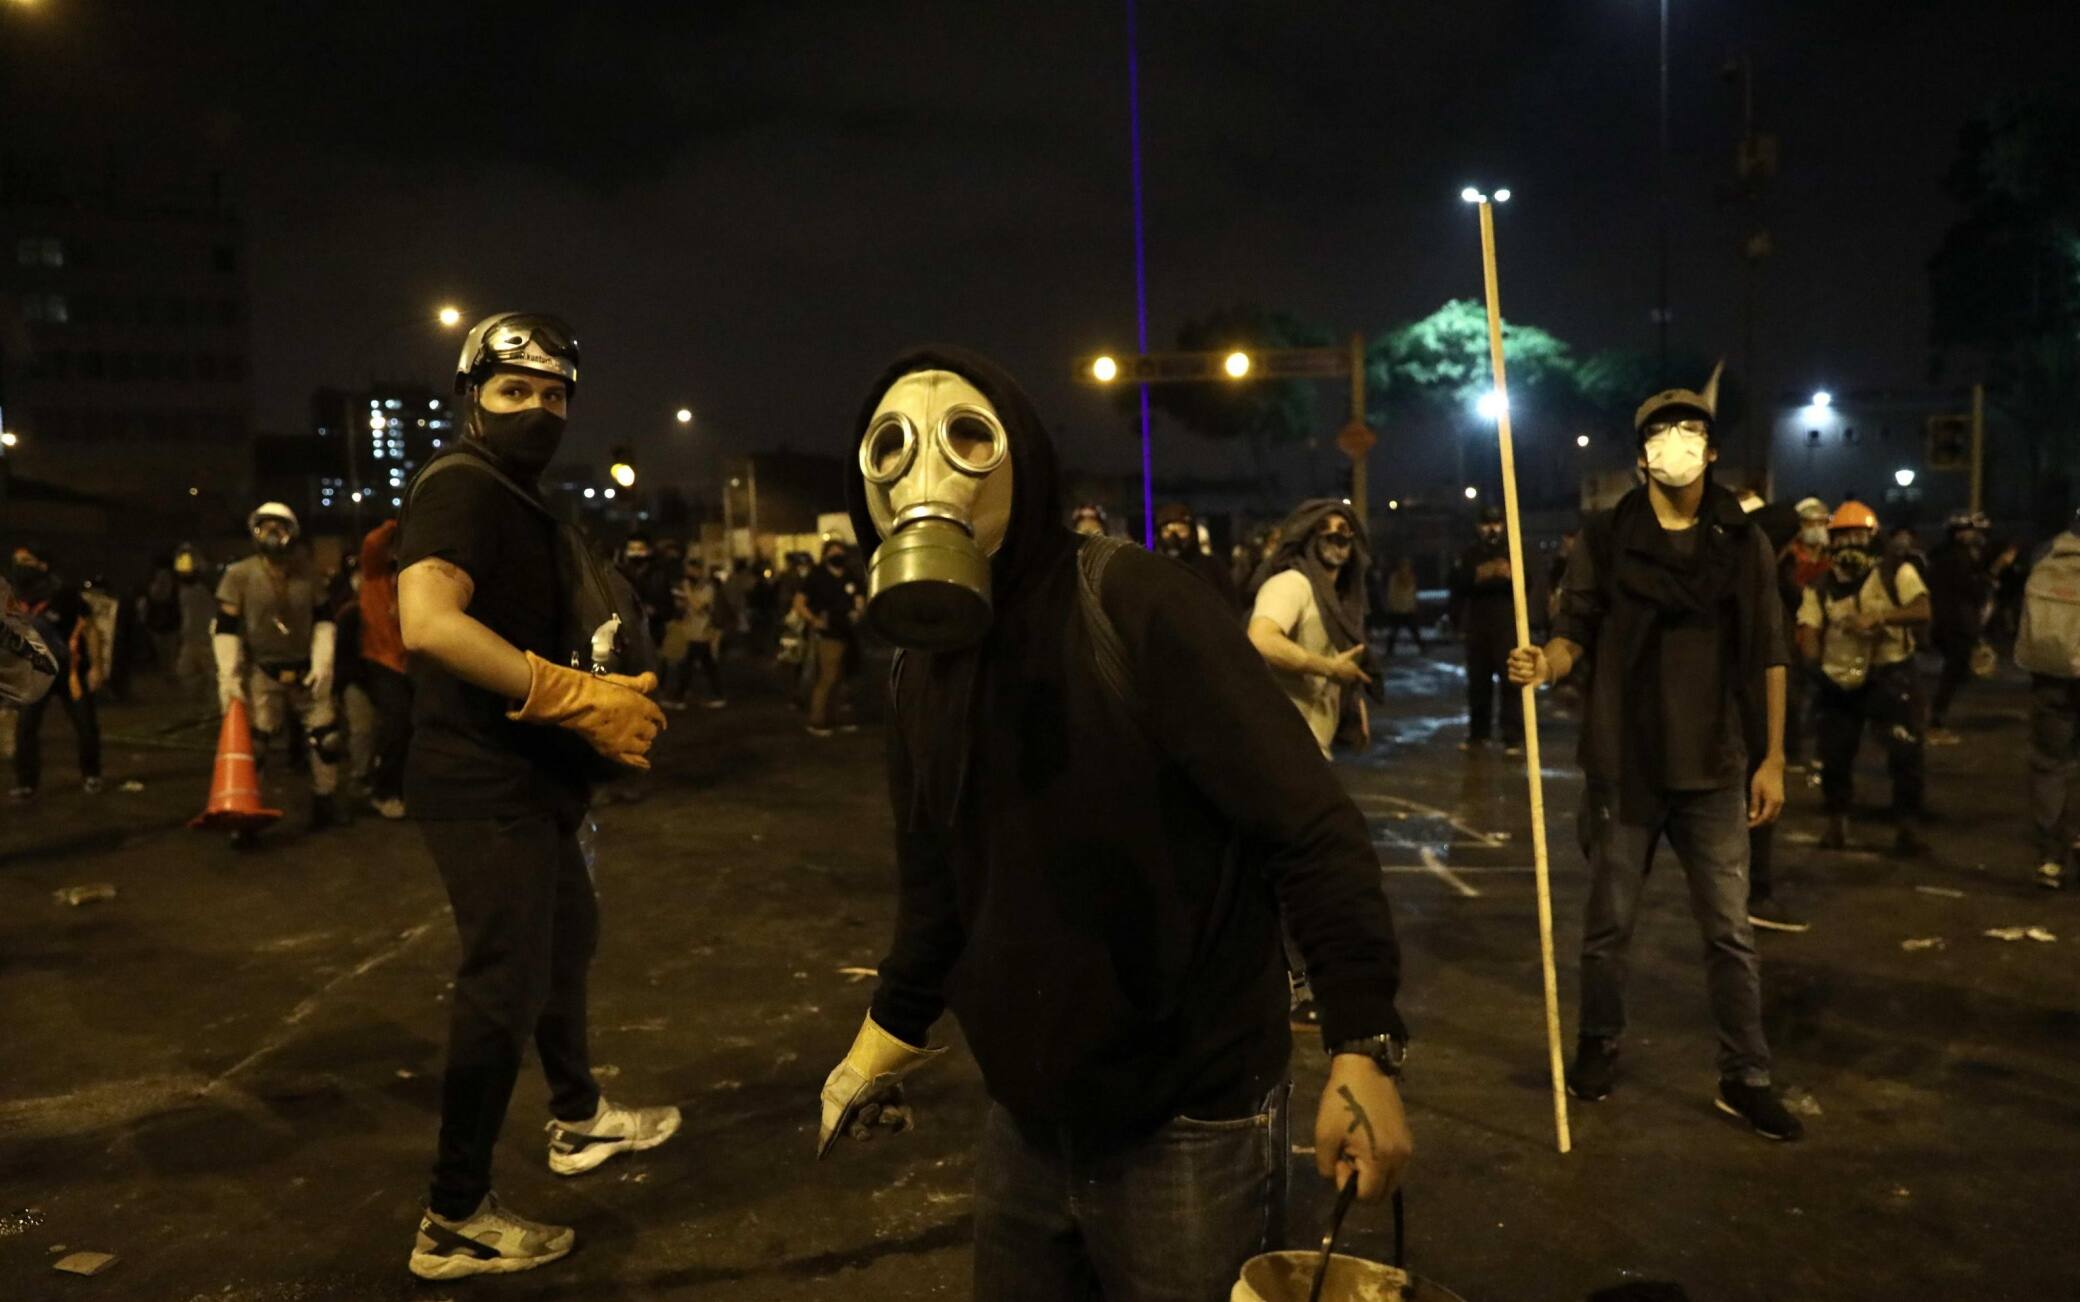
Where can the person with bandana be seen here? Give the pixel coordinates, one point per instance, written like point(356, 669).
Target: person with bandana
point(503, 739)
point(276, 646)
point(1485, 610)
point(1177, 536)
point(1672, 598)
point(1308, 621)
point(1103, 808)
point(60, 613)
point(1857, 626)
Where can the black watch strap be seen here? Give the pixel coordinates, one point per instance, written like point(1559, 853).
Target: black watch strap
point(1388, 1052)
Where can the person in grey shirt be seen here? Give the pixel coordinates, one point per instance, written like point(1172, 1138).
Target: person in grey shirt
point(274, 646)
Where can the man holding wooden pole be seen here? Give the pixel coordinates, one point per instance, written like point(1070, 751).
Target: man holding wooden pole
point(1672, 598)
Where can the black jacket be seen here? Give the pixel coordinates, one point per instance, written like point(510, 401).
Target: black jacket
point(1098, 898)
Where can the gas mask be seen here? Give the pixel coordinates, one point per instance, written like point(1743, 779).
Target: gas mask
point(272, 537)
point(1174, 543)
point(525, 440)
point(1676, 456)
point(1850, 555)
point(937, 464)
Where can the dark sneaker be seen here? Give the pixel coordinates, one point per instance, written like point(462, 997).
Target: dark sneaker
point(1759, 1106)
point(1595, 1070)
point(1907, 841)
point(2051, 875)
point(1836, 837)
point(324, 813)
point(1772, 916)
point(490, 1241)
point(578, 1146)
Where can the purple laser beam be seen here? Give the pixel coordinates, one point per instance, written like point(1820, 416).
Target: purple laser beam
point(1148, 489)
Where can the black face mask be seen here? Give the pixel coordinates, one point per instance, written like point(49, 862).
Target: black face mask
point(525, 440)
point(1172, 546)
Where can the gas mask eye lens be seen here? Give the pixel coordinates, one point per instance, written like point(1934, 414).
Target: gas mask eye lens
point(973, 441)
point(888, 449)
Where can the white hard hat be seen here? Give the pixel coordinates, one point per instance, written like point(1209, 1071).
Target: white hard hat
point(273, 511)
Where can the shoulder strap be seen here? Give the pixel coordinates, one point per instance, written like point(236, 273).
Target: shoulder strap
point(1114, 669)
point(439, 464)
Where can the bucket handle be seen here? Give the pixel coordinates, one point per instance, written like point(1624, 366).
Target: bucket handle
point(1344, 1199)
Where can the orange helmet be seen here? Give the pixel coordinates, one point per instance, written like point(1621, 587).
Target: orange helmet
point(1853, 515)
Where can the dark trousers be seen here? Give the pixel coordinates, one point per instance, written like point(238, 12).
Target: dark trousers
point(1762, 862)
point(529, 925)
point(699, 655)
point(392, 694)
point(1797, 688)
point(1487, 659)
point(1957, 651)
point(1708, 830)
point(28, 735)
point(1890, 701)
point(1169, 1219)
point(2054, 730)
point(1397, 624)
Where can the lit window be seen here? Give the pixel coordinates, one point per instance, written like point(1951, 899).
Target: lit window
point(392, 403)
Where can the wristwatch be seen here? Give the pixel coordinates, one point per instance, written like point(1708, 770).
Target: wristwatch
point(1384, 1050)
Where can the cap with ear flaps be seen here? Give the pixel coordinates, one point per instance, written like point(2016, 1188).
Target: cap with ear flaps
point(1672, 404)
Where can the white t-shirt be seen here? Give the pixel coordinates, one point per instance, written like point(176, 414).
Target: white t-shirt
point(1287, 600)
point(1888, 647)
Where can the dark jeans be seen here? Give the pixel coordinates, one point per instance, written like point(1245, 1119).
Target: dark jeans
point(1169, 1219)
point(392, 694)
point(1487, 658)
point(2054, 728)
point(1957, 651)
point(1797, 688)
point(1762, 862)
point(1708, 830)
point(529, 924)
point(1890, 699)
point(1396, 624)
point(699, 655)
point(28, 735)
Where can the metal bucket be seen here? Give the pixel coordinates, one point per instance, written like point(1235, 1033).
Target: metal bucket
point(1289, 1276)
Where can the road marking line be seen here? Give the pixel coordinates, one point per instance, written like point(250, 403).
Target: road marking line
point(1415, 870)
point(1457, 883)
point(1432, 811)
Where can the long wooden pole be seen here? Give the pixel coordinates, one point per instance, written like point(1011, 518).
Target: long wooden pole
point(1532, 772)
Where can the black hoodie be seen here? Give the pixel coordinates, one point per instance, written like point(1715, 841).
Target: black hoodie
point(1098, 898)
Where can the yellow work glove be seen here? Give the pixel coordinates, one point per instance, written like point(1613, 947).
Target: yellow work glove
point(866, 1090)
point(612, 712)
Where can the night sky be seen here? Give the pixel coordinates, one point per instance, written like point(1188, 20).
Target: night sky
point(749, 207)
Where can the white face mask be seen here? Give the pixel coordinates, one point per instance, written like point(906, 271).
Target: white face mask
point(1813, 535)
point(1676, 459)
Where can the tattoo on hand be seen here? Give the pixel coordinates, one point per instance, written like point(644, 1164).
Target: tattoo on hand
point(1358, 1118)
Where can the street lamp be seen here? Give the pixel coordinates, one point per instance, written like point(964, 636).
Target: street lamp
point(684, 416)
point(1822, 398)
point(1903, 477)
point(9, 439)
point(1472, 492)
point(1491, 405)
point(1472, 195)
point(1581, 440)
point(1236, 364)
point(1105, 370)
point(1393, 504)
point(449, 316)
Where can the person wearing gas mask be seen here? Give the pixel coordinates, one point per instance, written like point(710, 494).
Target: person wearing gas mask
point(1672, 598)
point(1088, 519)
point(1177, 536)
point(1102, 806)
point(59, 611)
point(1308, 621)
point(275, 644)
point(1960, 583)
point(1857, 626)
point(1486, 614)
point(496, 775)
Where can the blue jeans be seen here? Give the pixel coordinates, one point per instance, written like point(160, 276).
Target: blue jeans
point(1170, 1218)
point(1709, 832)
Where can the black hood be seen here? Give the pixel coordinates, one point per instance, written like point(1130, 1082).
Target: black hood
point(1036, 533)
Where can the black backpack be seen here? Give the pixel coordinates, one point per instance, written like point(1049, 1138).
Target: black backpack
point(603, 629)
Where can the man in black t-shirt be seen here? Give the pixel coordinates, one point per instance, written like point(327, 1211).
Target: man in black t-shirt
point(830, 599)
point(66, 624)
point(501, 735)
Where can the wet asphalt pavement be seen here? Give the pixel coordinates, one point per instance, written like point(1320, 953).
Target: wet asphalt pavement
point(227, 1074)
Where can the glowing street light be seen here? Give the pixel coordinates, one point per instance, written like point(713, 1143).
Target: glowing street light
point(9, 439)
point(1104, 370)
point(1903, 477)
point(1393, 504)
point(1472, 195)
point(1236, 364)
point(1822, 398)
point(684, 416)
point(449, 316)
point(1581, 440)
point(1472, 492)
point(623, 474)
point(1491, 405)
point(591, 493)
point(608, 494)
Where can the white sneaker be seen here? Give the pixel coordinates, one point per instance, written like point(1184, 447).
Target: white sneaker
point(576, 1147)
point(491, 1241)
point(2051, 875)
point(391, 808)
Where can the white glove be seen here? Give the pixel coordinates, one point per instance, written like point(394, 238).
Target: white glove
point(324, 649)
point(231, 684)
point(866, 1090)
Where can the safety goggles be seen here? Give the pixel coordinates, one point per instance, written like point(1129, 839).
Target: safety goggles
point(1690, 425)
point(532, 342)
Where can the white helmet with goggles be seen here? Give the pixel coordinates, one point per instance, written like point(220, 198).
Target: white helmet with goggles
point(528, 341)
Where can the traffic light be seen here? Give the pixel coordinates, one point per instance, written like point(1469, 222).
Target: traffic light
point(1949, 443)
point(621, 467)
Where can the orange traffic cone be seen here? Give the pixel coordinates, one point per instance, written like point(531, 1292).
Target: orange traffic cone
point(234, 788)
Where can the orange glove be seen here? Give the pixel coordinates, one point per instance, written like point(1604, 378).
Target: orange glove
point(613, 712)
